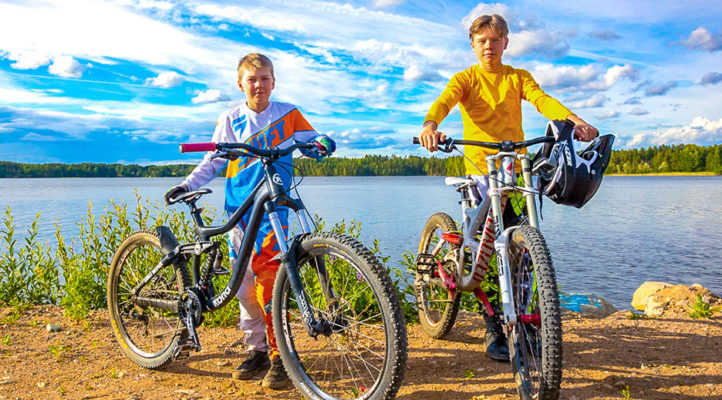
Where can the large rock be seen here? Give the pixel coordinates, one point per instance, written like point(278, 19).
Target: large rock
point(642, 294)
point(678, 299)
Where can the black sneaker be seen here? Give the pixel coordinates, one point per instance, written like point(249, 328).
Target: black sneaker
point(496, 345)
point(256, 362)
point(276, 378)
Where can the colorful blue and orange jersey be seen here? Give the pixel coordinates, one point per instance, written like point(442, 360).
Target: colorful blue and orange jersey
point(279, 125)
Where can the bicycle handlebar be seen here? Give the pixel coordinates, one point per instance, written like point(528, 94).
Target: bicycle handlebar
point(191, 147)
point(505, 145)
point(233, 148)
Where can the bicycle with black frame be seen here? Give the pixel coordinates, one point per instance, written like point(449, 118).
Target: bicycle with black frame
point(338, 322)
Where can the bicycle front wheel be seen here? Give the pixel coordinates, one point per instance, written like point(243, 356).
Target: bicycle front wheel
point(437, 306)
point(147, 335)
point(361, 353)
point(535, 342)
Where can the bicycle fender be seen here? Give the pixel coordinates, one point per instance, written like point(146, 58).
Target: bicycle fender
point(168, 241)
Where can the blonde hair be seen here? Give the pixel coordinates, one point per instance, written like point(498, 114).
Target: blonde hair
point(254, 61)
point(495, 22)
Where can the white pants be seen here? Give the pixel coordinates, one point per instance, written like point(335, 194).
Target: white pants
point(480, 193)
point(252, 323)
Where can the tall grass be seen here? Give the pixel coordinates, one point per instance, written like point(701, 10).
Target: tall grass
point(73, 273)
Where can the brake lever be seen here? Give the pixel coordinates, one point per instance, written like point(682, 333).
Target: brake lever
point(227, 154)
point(448, 146)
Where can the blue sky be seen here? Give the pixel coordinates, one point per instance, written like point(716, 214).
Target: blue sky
point(127, 80)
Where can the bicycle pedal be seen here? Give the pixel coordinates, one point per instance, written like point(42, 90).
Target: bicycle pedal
point(220, 271)
point(183, 349)
point(425, 259)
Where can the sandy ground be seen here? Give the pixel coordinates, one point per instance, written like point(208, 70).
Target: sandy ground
point(667, 358)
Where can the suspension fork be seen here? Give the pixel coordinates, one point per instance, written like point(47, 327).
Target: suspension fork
point(510, 317)
point(314, 327)
point(528, 193)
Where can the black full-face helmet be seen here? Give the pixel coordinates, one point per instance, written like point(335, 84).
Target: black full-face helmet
point(568, 177)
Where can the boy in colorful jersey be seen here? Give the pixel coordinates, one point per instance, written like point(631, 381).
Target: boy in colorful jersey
point(261, 123)
point(490, 95)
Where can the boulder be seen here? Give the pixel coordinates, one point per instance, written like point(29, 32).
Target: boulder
point(676, 300)
point(642, 294)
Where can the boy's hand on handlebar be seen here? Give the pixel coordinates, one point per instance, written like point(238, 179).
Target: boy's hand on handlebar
point(326, 145)
point(174, 192)
point(430, 137)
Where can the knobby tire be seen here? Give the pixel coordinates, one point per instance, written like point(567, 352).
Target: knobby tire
point(147, 335)
point(364, 353)
point(535, 350)
point(437, 309)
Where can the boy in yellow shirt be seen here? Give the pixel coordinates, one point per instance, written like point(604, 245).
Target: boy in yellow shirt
point(489, 96)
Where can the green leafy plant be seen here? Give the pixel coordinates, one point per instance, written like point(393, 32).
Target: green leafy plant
point(625, 392)
point(700, 309)
point(58, 350)
point(636, 316)
point(468, 374)
point(6, 340)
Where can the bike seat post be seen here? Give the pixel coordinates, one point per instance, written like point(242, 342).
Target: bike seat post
point(195, 213)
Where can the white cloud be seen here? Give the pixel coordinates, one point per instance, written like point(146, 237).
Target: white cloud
point(551, 76)
point(597, 100)
point(387, 3)
point(103, 30)
point(166, 80)
point(638, 111)
point(66, 66)
point(613, 75)
point(585, 78)
point(209, 96)
point(417, 73)
point(660, 89)
point(542, 43)
point(701, 131)
point(711, 78)
point(27, 59)
point(609, 114)
point(702, 39)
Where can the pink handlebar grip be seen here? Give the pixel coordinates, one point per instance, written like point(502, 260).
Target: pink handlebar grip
point(191, 147)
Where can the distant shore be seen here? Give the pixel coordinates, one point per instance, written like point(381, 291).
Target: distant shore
point(704, 173)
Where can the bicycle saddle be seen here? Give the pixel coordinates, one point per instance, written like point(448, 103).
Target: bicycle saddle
point(188, 197)
point(454, 181)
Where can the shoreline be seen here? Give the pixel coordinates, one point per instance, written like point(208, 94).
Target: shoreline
point(704, 173)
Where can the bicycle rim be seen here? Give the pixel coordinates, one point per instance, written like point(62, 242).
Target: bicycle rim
point(148, 335)
point(363, 354)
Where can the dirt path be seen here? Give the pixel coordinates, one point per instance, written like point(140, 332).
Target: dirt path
point(678, 358)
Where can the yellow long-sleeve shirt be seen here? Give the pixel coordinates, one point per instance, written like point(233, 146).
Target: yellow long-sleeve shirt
point(490, 104)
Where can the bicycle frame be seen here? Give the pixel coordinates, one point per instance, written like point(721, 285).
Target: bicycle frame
point(266, 197)
point(497, 187)
point(490, 213)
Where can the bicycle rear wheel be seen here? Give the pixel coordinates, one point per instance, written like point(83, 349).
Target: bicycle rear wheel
point(535, 342)
point(437, 307)
point(147, 335)
point(362, 353)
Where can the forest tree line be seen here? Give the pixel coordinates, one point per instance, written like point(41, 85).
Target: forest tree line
point(658, 159)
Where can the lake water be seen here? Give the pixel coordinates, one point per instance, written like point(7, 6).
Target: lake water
point(635, 229)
